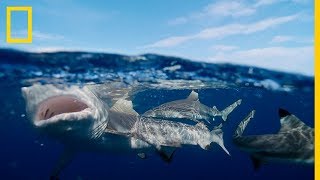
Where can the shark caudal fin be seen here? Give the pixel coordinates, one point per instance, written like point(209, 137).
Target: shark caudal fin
point(224, 113)
point(243, 124)
point(217, 136)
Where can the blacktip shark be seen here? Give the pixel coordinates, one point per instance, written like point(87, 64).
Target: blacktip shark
point(190, 108)
point(81, 118)
point(293, 143)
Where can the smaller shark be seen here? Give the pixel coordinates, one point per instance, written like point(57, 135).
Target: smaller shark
point(293, 143)
point(190, 108)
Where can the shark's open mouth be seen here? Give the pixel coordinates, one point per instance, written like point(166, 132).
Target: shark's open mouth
point(56, 105)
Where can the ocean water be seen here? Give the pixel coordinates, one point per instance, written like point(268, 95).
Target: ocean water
point(25, 154)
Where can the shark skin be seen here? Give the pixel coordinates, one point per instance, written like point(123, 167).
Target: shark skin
point(294, 143)
point(81, 118)
point(190, 108)
point(165, 133)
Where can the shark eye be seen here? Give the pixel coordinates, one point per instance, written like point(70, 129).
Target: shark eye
point(58, 105)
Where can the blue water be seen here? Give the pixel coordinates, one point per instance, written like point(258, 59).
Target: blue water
point(25, 154)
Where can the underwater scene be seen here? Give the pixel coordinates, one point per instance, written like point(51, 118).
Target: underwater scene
point(83, 115)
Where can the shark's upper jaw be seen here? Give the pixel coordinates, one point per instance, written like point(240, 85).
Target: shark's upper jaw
point(57, 105)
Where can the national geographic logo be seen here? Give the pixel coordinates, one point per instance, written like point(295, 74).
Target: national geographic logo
point(14, 9)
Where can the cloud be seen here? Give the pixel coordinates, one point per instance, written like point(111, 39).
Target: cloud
point(224, 31)
point(260, 3)
point(230, 8)
point(37, 35)
point(297, 59)
point(49, 49)
point(227, 8)
point(223, 48)
point(46, 36)
point(283, 38)
point(233, 8)
point(280, 39)
point(177, 21)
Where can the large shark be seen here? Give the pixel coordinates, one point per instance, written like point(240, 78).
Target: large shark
point(82, 119)
point(190, 108)
point(293, 143)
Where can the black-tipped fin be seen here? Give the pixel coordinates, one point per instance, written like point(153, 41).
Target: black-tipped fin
point(64, 160)
point(166, 153)
point(283, 113)
point(289, 121)
point(256, 163)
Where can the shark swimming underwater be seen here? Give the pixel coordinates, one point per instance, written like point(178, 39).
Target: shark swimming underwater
point(190, 108)
point(102, 118)
point(293, 143)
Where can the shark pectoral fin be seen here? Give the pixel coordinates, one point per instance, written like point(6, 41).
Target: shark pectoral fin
point(124, 106)
point(63, 161)
point(243, 124)
point(224, 113)
point(256, 162)
point(193, 96)
point(122, 116)
point(218, 127)
point(166, 153)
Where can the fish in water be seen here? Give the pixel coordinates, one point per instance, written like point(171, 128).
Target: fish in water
point(86, 119)
point(190, 108)
point(293, 143)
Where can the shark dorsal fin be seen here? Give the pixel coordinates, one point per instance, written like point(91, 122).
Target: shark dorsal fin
point(124, 106)
point(193, 96)
point(289, 121)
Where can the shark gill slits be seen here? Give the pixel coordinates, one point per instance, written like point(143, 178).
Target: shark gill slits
point(59, 105)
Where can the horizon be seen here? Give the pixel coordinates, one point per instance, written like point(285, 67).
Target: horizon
point(163, 55)
point(275, 35)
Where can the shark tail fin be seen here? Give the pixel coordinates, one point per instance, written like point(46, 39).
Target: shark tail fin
point(224, 113)
point(243, 124)
point(217, 136)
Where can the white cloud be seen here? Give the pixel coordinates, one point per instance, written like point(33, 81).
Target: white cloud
point(177, 21)
point(227, 8)
point(170, 42)
point(296, 59)
point(230, 8)
point(265, 2)
point(48, 49)
point(284, 38)
point(223, 48)
point(37, 35)
point(46, 36)
point(280, 39)
point(224, 31)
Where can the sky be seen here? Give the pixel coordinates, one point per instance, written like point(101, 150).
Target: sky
point(274, 34)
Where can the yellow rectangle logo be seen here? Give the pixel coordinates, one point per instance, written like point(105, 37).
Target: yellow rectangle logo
point(28, 39)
